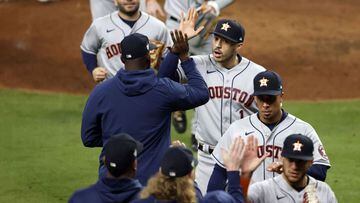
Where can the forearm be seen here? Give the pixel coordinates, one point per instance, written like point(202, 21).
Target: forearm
point(169, 66)
point(234, 187)
point(218, 179)
point(197, 91)
point(89, 60)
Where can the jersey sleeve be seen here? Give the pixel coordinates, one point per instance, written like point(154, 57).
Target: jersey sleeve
point(320, 156)
point(224, 143)
point(91, 41)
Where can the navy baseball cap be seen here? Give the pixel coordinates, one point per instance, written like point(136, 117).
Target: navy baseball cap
point(230, 30)
point(177, 162)
point(135, 46)
point(120, 151)
point(218, 197)
point(267, 83)
point(298, 146)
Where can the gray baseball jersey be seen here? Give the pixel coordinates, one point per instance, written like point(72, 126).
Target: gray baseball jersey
point(278, 190)
point(100, 8)
point(105, 34)
point(175, 7)
point(230, 96)
point(270, 141)
point(230, 99)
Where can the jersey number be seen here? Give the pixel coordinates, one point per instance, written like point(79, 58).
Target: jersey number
point(241, 112)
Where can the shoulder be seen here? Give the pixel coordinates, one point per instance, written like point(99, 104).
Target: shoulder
point(252, 66)
point(202, 60)
point(83, 195)
point(301, 123)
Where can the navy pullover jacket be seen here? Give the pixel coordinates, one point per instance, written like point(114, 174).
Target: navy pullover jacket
point(108, 190)
point(140, 104)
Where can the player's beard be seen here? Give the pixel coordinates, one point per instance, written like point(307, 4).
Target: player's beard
point(128, 12)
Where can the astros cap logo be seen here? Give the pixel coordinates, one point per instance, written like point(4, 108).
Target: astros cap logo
point(225, 26)
point(263, 82)
point(297, 146)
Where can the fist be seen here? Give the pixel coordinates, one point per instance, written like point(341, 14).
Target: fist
point(99, 74)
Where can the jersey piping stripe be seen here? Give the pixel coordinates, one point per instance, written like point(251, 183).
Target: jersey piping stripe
point(133, 31)
point(284, 191)
point(112, 20)
point(263, 137)
point(221, 107)
point(232, 85)
point(217, 160)
point(273, 158)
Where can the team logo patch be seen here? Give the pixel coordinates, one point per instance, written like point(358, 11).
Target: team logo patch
point(225, 26)
point(322, 152)
point(297, 146)
point(263, 82)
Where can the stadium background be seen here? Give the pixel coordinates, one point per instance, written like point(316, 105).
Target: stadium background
point(314, 45)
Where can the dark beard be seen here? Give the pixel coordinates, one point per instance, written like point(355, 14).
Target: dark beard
point(128, 13)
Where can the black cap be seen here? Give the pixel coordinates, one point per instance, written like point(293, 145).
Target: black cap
point(298, 146)
point(135, 45)
point(267, 83)
point(230, 29)
point(177, 162)
point(120, 152)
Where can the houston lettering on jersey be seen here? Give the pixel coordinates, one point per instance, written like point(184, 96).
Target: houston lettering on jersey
point(272, 150)
point(113, 50)
point(227, 92)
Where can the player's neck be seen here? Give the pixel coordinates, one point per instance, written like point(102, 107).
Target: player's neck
point(232, 62)
point(130, 18)
point(301, 184)
point(273, 120)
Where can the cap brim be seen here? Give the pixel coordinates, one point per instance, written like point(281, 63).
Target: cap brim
point(267, 92)
point(294, 156)
point(226, 37)
point(152, 46)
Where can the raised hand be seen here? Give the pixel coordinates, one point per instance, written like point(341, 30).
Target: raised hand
point(251, 160)
point(187, 24)
point(153, 8)
point(234, 157)
point(180, 46)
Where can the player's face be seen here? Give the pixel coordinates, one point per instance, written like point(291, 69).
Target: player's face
point(128, 7)
point(295, 170)
point(224, 50)
point(269, 108)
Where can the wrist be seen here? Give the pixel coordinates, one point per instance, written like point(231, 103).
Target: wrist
point(183, 57)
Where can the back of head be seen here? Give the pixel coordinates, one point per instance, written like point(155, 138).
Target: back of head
point(173, 181)
point(120, 153)
point(135, 51)
point(218, 196)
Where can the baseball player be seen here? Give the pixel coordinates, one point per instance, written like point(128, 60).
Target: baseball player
point(105, 34)
point(174, 8)
point(294, 185)
point(271, 125)
point(229, 78)
point(100, 8)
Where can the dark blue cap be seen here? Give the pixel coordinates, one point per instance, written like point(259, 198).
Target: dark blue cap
point(218, 197)
point(298, 146)
point(177, 162)
point(230, 30)
point(267, 83)
point(135, 46)
point(121, 151)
